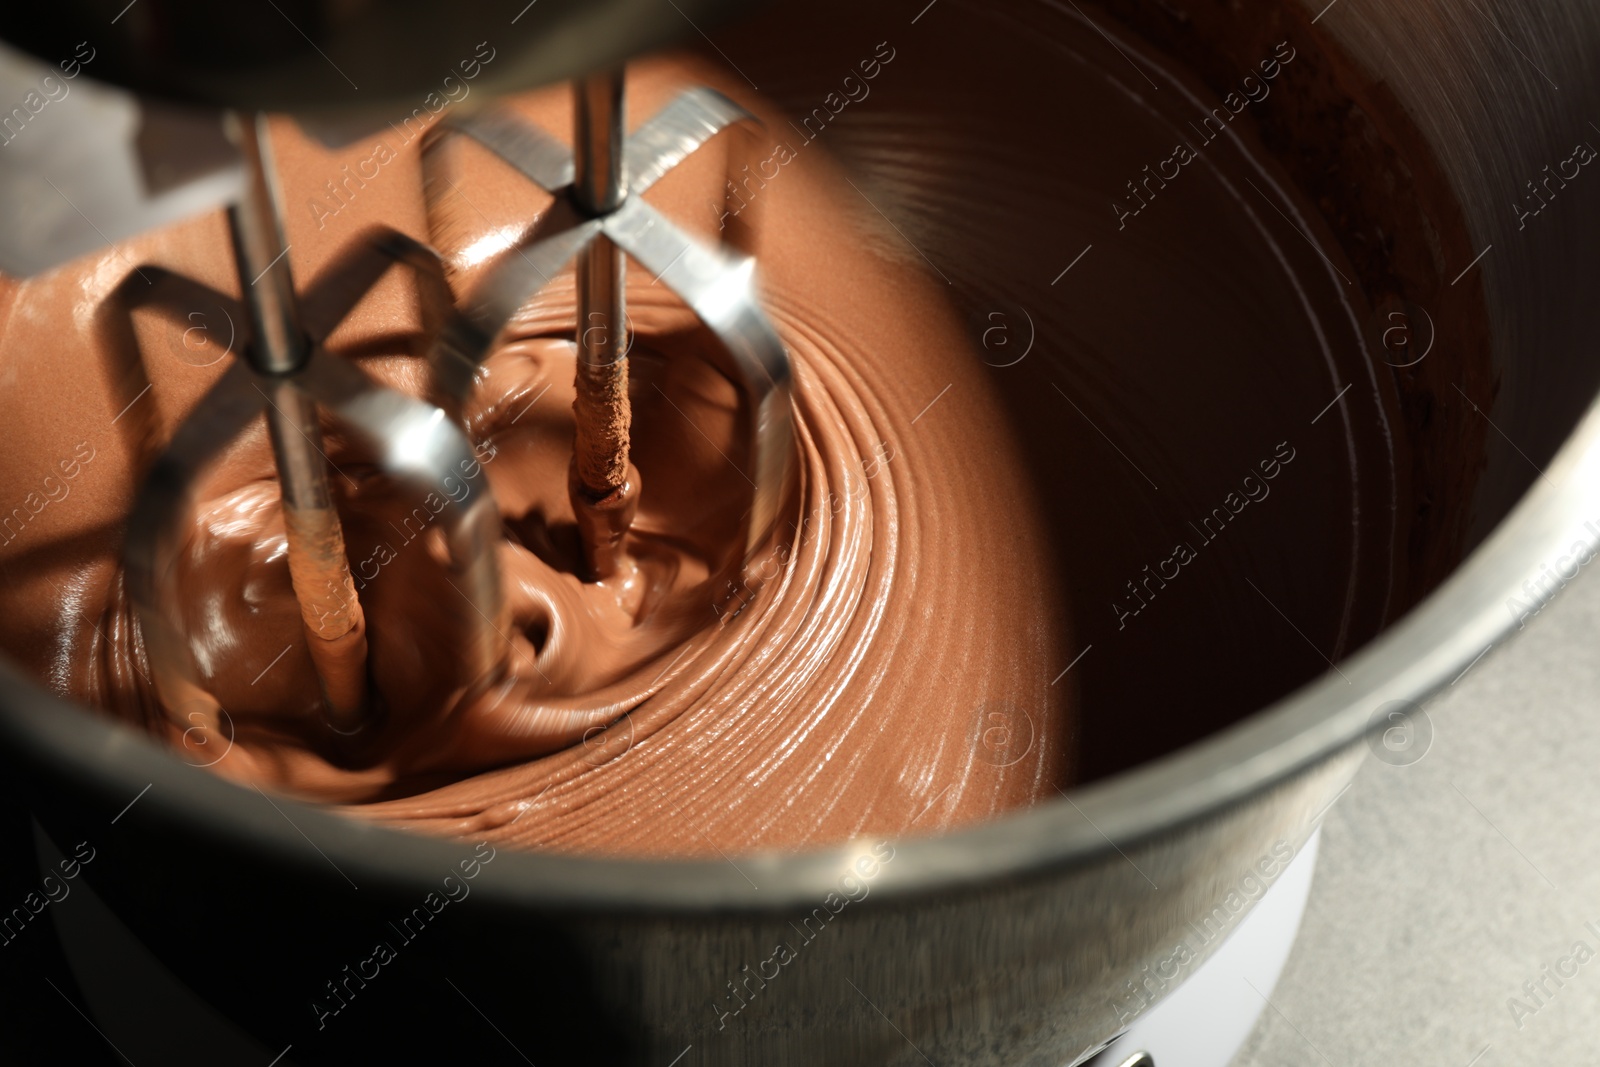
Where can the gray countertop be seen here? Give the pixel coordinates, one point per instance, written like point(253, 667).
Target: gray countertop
point(1446, 885)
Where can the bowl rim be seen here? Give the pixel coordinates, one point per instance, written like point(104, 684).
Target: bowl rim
point(1422, 653)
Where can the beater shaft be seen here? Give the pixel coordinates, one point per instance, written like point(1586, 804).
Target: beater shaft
point(318, 568)
point(604, 486)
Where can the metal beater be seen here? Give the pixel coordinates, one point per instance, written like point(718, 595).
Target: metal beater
point(598, 216)
point(285, 373)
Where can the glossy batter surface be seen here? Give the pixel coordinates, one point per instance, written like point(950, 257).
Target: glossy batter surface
point(901, 664)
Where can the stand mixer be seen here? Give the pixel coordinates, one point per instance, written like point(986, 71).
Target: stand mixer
point(1033, 939)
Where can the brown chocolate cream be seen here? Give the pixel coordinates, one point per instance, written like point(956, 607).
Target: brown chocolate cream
point(658, 712)
point(897, 662)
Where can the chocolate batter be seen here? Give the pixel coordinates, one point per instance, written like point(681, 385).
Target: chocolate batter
point(904, 661)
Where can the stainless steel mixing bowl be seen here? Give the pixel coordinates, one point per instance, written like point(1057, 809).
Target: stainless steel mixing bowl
point(1024, 941)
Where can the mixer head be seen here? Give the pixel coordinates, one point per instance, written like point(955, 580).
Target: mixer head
point(329, 55)
point(128, 162)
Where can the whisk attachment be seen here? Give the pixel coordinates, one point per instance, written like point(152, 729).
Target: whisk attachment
point(285, 374)
point(716, 282)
